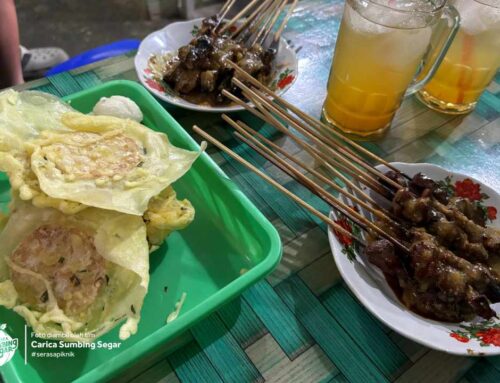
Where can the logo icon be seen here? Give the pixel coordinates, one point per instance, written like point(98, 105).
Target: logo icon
point(8, 346)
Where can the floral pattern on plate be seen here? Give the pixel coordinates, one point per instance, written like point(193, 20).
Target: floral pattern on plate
point(486, 333)
point(470, 190)
point(156, 84)
point(350, 247)
point(283, 80)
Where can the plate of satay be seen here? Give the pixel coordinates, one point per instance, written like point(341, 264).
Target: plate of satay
point(186, 63)
point(433, 277)
point(417, 244)
point(117, 232)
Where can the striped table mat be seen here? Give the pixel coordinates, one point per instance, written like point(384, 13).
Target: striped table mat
point(302, 324)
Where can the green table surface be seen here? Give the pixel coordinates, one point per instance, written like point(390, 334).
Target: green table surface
point(302, 324)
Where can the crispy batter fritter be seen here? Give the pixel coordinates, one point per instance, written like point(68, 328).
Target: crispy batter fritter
point(65, 257)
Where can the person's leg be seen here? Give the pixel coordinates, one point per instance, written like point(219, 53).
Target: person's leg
point(10, 62)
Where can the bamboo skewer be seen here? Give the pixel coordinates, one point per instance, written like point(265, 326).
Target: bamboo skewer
point(273, 22)
point(308, 118)
point(323, 194)
point(437, 204)
point(282, 26)
point(252, 135)
point(267, 20)
point(303, 180)
point(263, 114)
point(265, 111)
point(256, 25)
point(225, 6)
point(238, 15)
point(317, 156)
point(330, 163)
point(250, 20)
point(313, 134)
point(331, 159)
point(276, 123)
point(313, 154)
point(223, 12)
point(282, 189)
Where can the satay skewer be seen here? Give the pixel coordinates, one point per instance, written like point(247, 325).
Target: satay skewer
point(225, 6)
point(257, 24)
point(311, 151)
point(238, 16)
point(328, 154)
point(249, 22)
point(325, 142)
point(305, 117)
point(268, 21)
point(316, 189)
point(223, 12)
point(261, 101)
point(282, 26)
point(255, 136)
point(273, 22)
point(330, 162)
point(348, 211)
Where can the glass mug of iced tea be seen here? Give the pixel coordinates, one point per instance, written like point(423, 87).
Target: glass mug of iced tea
point(471, 62)
point(380, 48)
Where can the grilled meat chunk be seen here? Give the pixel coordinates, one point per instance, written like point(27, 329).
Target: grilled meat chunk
point(186, 79)
point(383, 255)
point(200, 71)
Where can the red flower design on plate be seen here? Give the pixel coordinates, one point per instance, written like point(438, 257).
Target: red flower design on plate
point(490, 336)
point(155, 85)
point(459, 337)
point(147, 71)
point(468, 189)
point(491, 212)
point(344, 239)
point(287, 80)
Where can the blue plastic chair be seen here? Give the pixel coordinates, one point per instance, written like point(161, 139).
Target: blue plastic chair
point(97, 54)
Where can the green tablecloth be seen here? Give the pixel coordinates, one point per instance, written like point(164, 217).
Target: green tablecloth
point(302, 324)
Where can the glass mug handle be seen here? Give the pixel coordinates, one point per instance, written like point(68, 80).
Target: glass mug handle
point(450, 13)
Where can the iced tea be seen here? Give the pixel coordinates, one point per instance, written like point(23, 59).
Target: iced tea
point(379, 49)
point(471, 62)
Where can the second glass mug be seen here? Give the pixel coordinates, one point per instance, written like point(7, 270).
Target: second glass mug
point(380, 47)
point(471, 62)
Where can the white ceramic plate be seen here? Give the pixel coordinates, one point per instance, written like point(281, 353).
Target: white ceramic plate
point(175, 35)
point(477, 338)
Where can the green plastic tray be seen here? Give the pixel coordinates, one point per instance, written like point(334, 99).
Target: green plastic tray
point(228, 235)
